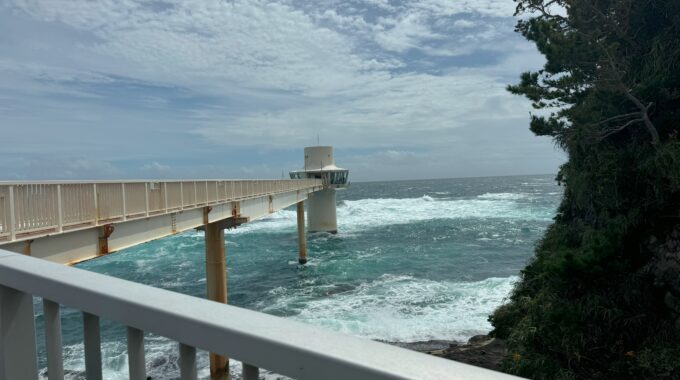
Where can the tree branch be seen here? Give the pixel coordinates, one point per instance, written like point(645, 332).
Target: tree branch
point(644, 110)
point(619, 129)
point(613, 118)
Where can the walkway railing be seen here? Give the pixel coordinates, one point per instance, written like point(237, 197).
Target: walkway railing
point(28, 209)
point(258, 340)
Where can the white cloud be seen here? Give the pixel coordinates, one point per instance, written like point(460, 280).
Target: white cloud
point(149, 80)
point(406, 33)
point(155, 167)
point(492, 8)
point(416, 110)
point(464, 24)
point(212, 43)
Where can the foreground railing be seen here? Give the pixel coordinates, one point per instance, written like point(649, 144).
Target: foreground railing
point(29, 208)
point(262, 341)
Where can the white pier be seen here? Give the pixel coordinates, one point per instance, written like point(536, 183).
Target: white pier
point(68, 222)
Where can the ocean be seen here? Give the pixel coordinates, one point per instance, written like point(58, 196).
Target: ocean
point(412, 261)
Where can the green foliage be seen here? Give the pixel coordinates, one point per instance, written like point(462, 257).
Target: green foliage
point(609, 95)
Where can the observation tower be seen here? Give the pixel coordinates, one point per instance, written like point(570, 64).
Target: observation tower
point(321, 212)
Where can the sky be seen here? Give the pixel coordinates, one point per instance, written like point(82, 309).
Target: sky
point(235, 89)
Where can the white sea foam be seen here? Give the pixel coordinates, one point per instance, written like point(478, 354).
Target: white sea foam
point(404, 308)
point(161, 358)
point(502, 196)
point(363, 214)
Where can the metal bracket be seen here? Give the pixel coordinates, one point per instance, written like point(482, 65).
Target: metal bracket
point(105, 232)
point(206, 211)
point(228, 223)
point(27, 247)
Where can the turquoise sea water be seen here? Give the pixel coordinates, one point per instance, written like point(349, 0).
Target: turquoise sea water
point(412, 261)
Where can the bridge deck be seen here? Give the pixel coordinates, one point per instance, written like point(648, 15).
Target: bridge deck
point(67, 222)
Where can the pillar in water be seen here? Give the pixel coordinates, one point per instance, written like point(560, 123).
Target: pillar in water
point(321, 213)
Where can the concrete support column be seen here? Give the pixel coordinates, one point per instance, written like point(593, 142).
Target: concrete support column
point(216, 283)
point(321, 211)
point(302, 239)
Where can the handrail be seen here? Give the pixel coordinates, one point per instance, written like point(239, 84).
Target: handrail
point(30, 209)
point(258, 340)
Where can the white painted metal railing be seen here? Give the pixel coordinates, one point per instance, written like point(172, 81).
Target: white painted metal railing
point(33, 209)
point(262, 341)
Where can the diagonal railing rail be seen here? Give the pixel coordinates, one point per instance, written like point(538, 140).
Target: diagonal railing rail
point(258, 340)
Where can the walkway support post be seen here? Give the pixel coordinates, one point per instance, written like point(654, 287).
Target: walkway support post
point(302, 239)
point(216, 282)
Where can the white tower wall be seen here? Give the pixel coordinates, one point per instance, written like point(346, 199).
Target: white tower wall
point(321, 211)
point(318, 157)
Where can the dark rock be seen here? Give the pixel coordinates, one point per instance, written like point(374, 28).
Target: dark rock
point(487, 353)
point(478, 339)
point(480, 350)
point(425, 346)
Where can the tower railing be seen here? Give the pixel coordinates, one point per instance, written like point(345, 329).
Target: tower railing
point(256, 339)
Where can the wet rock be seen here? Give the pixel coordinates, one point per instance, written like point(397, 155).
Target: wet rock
point(480, 350)
point(425, 346)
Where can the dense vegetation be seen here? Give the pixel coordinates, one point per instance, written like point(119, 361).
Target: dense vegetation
point(609, 95)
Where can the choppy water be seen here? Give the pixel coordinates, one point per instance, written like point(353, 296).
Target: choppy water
point(413, 261)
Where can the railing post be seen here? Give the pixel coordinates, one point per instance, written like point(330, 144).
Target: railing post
point(12, 215)
point(181, 195)
point(92, 342)
point(146, 198)
point(136, 362)
point(165, 196)
point(195, 194)
point(207, 197)
point(187, 362)
point(17, 335)
point(96, 204)
point(122, 191)
point(55, 361)
point(60, 210)
point(250, 372)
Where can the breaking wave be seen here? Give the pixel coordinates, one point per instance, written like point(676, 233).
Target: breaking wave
point(363, 214)
point(403, 308)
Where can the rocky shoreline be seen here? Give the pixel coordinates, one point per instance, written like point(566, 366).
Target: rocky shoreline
point(481, 350)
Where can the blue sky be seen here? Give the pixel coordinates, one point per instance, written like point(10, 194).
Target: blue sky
point(236, 89)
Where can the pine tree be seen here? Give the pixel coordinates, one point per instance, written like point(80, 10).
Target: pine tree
point(609, 95)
